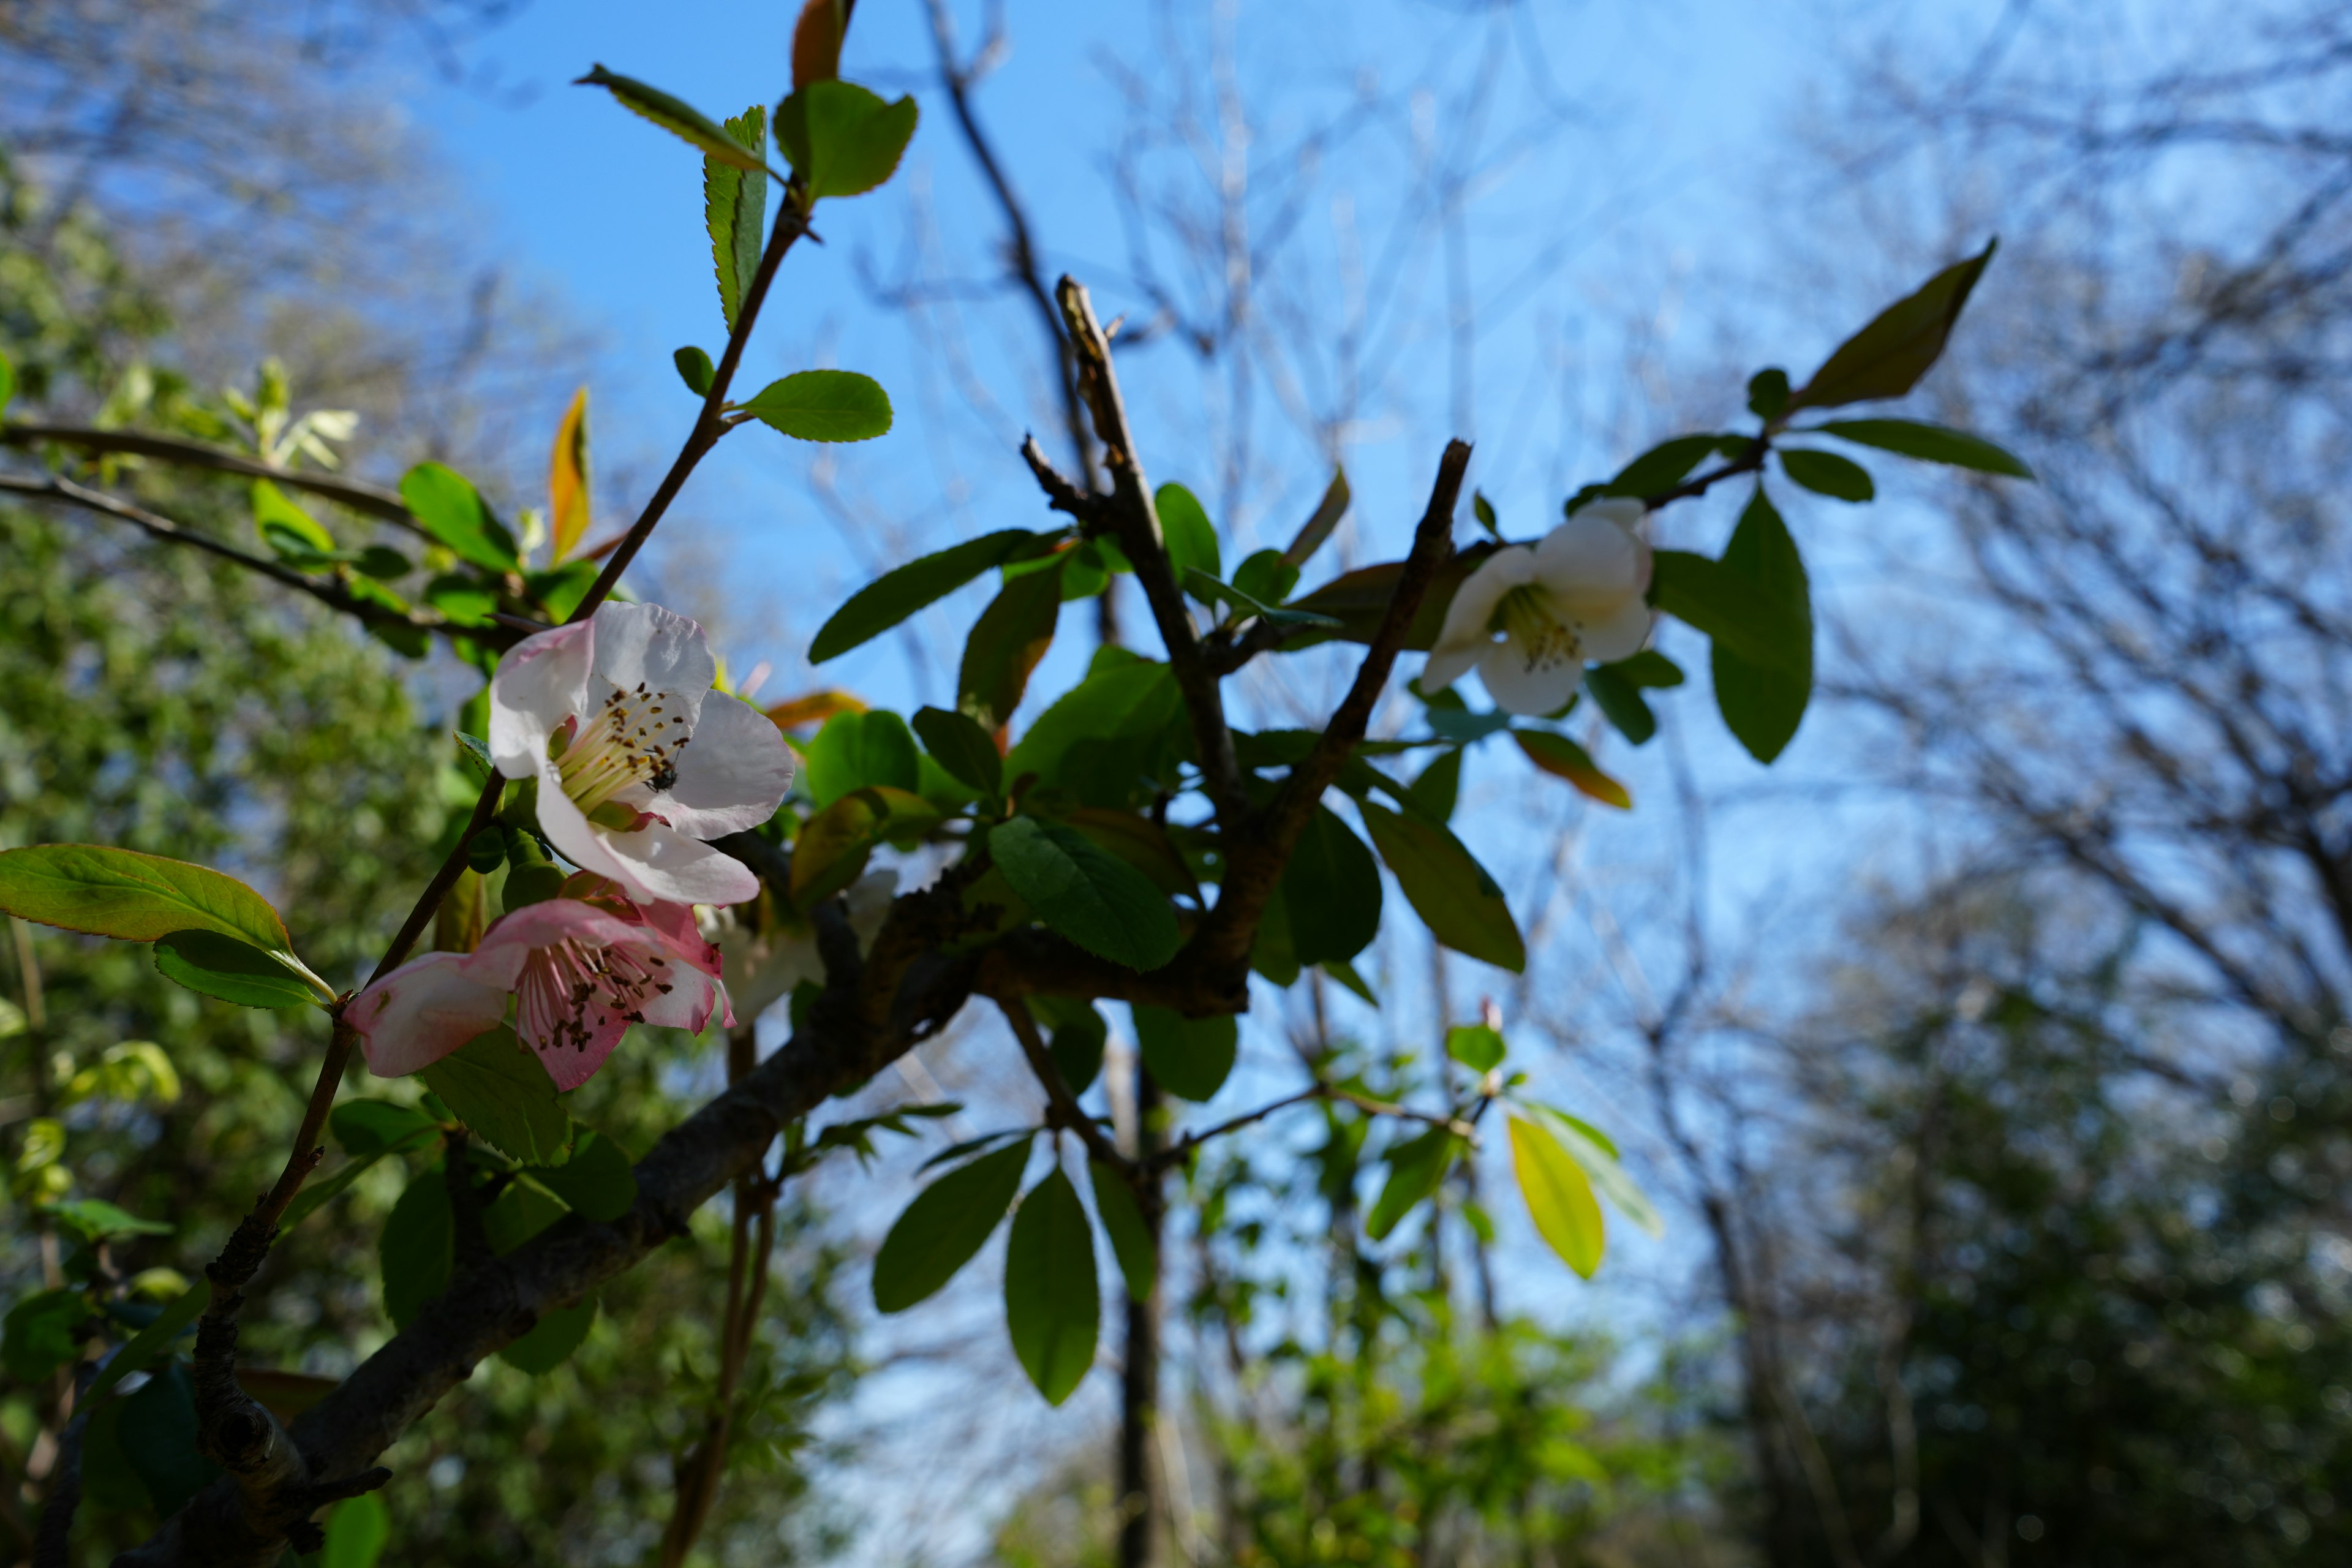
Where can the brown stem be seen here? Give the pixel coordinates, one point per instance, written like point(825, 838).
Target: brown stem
point(372, 500)
point(1063, 1106)
point(1142, 1505)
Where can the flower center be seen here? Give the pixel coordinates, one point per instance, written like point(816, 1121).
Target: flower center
point(633, 737)
point(570, 990)
point(1526, 617)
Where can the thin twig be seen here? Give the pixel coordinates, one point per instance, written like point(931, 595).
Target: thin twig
point(1065, 1110)
point(372, 500)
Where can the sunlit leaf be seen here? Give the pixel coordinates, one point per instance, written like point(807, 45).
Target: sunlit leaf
point(234, 971)
point(843, 140)
point(137, 897)
point(567, 479)
point(857, 750)
point(454, 512)
point(1559, 1196)
point(674, 115)
point(824, 405)
point(892, 597)
point(735, 210)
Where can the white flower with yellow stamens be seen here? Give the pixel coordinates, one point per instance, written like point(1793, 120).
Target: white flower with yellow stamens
point(1530, 616)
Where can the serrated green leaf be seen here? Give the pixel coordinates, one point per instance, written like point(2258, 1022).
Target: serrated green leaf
point(1189, 1058)
point(454, 512)
point(947, 1222)
point(1053, 1302)
point(232, 970)
point(843, 140)
point(674, 115)
point(1416, 1166)
point(830, 405)
point(1930, 443)
point(503, 1091)
point(735, 210)
point(1447, 887)
point(1332, 887)
point(1763, 702)
point(1130, 1238)
point(1559, 1196)
point(957, 744)
point(892, 597)
point(134, 897)
point(1826, 473)
point(1085, 893)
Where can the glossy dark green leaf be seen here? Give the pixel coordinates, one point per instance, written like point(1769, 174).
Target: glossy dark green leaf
point(674, 115)
point(1190, 537)
point(38, 1336)
point(1130, 1238)
point(234, 971)
point(1332, 891)
point(499, 1090)
point(416, 1249)
point(1763, 702)
point(135, 897)
point(957, 744)
point(1447, 887)
point(157, 1432)
point(1476, 1046)
point(947, 1222)
point(1886, 358)
point(598, 1180)
point(552, 1338)
point(1437, 787)
point(1053, 1301)
point(1076, 1034)
point(1189, 1058)
point(1767, 393)
point(1621, 703)
point(735, 210)
point(828, 405)
point(843, 140)
point(695, 369)
point(1930, 443)
point(1416, 1166)
point(454, 512)
point(1722, 602)
point(893, 596)
point(1826, 473)
point(1085, 893)
point(1011, 635)
point(1662, 467)
point(857, 751)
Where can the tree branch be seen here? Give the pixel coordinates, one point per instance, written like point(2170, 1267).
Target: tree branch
point(1064, 1110)
point(373, 501)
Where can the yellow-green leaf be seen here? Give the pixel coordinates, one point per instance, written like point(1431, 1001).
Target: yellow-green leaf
point(137, 897)
point(1559, 1196)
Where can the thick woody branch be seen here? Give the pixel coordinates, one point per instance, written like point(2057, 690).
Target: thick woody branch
point(326, 590)
point(1137, 525)
point(373, 501)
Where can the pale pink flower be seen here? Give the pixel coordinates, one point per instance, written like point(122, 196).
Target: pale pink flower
point(638, 760)
point(1530, 616)
point(580, 972)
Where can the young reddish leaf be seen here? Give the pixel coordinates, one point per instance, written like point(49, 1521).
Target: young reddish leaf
point(816, 42)
point(567, 479)
point(815, 708)
point(1563, 758)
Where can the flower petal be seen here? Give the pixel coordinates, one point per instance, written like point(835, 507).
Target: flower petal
point(541, 682)
point(662, 648)
point(732, 775)
point(1625, 511)
point(573, 1063)
point(1464, 638)
point(1619, 633)
point(574, 836)
point(421, 1011)
point(657, 863)
point(1589, 557)
point(1518, 689)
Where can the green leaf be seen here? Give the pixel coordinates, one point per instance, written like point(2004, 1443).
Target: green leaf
point(695, 369)
point(356, 1532)
point(1722, 601)
point(735, 210)
point(93, 1220)
point(151, 1341)
point(947, 1222)
point(1826, 473)
point(1211, 592)
point(1332, 886)
point(957, 744)
point(1053, 1303)
point(1447, 887)
point(234, 971)
point(416, 1249)
point(841, 139)
point(1416, 1166)
point(552, 1338)
point(1597, 1157)
point(500, 1091)
point(1079, 1034)
point(675, 116)
point(1346, 976)
point(892, 597)
point(1189, 1057)
point(1130, 1238)
point(597, 1181)
point(1931, 443)
point(855, 750)
point(1763, 703)
point(7, 382)
point(1648, 670)
point(1563, 758)
point(834, 845)
point(1559, 1196)
point(1662, 467)
point(318, 1193)
point(39, 1335)
point(454, 512)
point(1266, 578)
point(1886, 358)
point(277, 517)
point(1621, 703)
point(1767, 393)
point(829, 405)
point(1085, 893)
point(1438, 786)
point(520, 1212)
point(1011, 635)
point(1326, 515)
point(1126, 702)
point(1191, 538)
point(1476, 1046)
point(137, 897)
point(158, 1435)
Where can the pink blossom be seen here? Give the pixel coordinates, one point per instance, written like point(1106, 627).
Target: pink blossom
point(581, 971)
